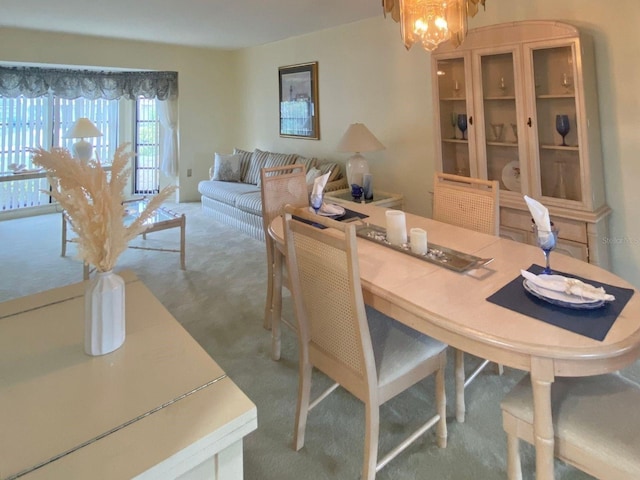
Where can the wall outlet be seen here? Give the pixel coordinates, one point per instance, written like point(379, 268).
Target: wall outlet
point(189, 172)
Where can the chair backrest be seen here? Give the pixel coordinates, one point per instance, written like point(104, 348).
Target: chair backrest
point(467, 202)
point(280, 186)
point(327, 294)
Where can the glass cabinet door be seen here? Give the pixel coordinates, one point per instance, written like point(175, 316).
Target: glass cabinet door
point(556, 123)
point(498, 107)
point(453, 97)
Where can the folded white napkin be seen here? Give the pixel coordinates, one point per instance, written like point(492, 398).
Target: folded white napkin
point(568, 286)
point(331, 209)
point(319, 184)
point(540, 214)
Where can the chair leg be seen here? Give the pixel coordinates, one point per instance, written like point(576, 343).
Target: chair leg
point(276, 306)
point(302, 410)
point(459, 374)
point(514, 469)
point(268, 304)
point(441, 406)
point(372, 426)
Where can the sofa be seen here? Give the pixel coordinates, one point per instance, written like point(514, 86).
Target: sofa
point(232, 194)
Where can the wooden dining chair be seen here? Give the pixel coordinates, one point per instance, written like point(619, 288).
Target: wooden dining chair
point(373, 358)
point(595, 427)
point(470, 203)
point(279, 186)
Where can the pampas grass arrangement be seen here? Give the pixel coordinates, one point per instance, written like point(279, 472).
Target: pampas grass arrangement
point(93, 200)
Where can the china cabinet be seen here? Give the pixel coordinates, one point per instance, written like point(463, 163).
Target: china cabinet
point(517, 103)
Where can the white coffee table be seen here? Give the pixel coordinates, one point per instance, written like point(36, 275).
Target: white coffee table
point(162, 219)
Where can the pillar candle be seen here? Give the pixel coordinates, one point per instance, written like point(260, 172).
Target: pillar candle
point(396, 227)
point(418, 241)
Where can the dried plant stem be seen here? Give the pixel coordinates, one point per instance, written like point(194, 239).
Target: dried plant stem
point(93, 200)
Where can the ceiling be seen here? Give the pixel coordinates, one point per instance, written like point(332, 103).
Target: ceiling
point(227, 24)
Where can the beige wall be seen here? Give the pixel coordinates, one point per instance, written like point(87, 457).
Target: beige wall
point(367, 76)
point(230, 99)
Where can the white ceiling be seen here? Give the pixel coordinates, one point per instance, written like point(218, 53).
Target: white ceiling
point(227, 24)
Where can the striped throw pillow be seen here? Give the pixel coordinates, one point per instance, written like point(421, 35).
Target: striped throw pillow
point(307, 162)
point(279, 160)
point(258, 160)
point(245, 160)
point(324, 167)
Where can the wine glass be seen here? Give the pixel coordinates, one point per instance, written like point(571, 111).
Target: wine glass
point(546, 240)
point(316, 201)
point(563, 127)
point(566, 82)
point(454, 123)
point(462, 124)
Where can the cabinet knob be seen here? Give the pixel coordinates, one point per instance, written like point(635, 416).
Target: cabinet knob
point(471, 120)
point(529, 122)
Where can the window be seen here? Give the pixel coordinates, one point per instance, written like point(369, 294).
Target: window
point(42, 122)
point(146, 174)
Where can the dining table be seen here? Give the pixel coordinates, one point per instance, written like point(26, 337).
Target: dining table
point(486, 311)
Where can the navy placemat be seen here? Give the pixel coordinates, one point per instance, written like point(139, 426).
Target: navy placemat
point(348, 214)
point(594, 323)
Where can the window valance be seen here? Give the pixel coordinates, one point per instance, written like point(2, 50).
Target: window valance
point(70, 84)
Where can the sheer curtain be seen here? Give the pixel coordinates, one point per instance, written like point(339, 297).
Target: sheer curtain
point(168, 116)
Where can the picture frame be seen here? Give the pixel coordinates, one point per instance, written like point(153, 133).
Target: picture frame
point(299, 113)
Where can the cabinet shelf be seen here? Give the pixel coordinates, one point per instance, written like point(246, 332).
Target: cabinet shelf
point(552, 96)
point(454, 140)
point(502, 97)
point(453, 99)
point(569, 148)
point(503, 144)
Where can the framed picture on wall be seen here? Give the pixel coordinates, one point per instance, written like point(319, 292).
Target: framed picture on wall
point(299, 116)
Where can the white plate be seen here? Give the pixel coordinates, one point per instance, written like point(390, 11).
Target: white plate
point(511, 176)
point(560, 298)
point(340, 211)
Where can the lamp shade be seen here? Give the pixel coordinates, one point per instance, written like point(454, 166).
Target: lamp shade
point(358, 138)
point(83, 128)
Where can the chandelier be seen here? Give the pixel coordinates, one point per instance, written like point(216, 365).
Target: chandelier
point(431, 22)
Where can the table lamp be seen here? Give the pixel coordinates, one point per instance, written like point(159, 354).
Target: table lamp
point(83, 128)
point(358, 138)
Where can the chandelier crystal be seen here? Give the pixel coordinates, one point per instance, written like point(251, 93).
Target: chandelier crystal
point(431, 22)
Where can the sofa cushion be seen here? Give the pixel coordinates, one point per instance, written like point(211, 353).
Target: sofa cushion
point(225, 192)
point(245, 159)
point(227, 168)
point(250, 202)
point(258, 160)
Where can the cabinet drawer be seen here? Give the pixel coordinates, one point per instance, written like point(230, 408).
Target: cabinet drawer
point(567, 229)
point(513, 234)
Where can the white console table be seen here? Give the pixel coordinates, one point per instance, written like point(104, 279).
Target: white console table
point(157, 408)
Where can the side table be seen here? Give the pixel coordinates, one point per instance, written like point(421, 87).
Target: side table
point(380, 198)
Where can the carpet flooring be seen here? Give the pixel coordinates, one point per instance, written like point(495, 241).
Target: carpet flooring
point(219, 300)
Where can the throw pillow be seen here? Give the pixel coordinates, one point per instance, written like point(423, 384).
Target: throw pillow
point(279, 160)
point(312, 175)
point(307, 162)
point(245, 157)
point(258, 159)
point(227, 168)
point(333, 167)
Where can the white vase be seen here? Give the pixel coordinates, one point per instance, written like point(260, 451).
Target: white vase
point(104, 324)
